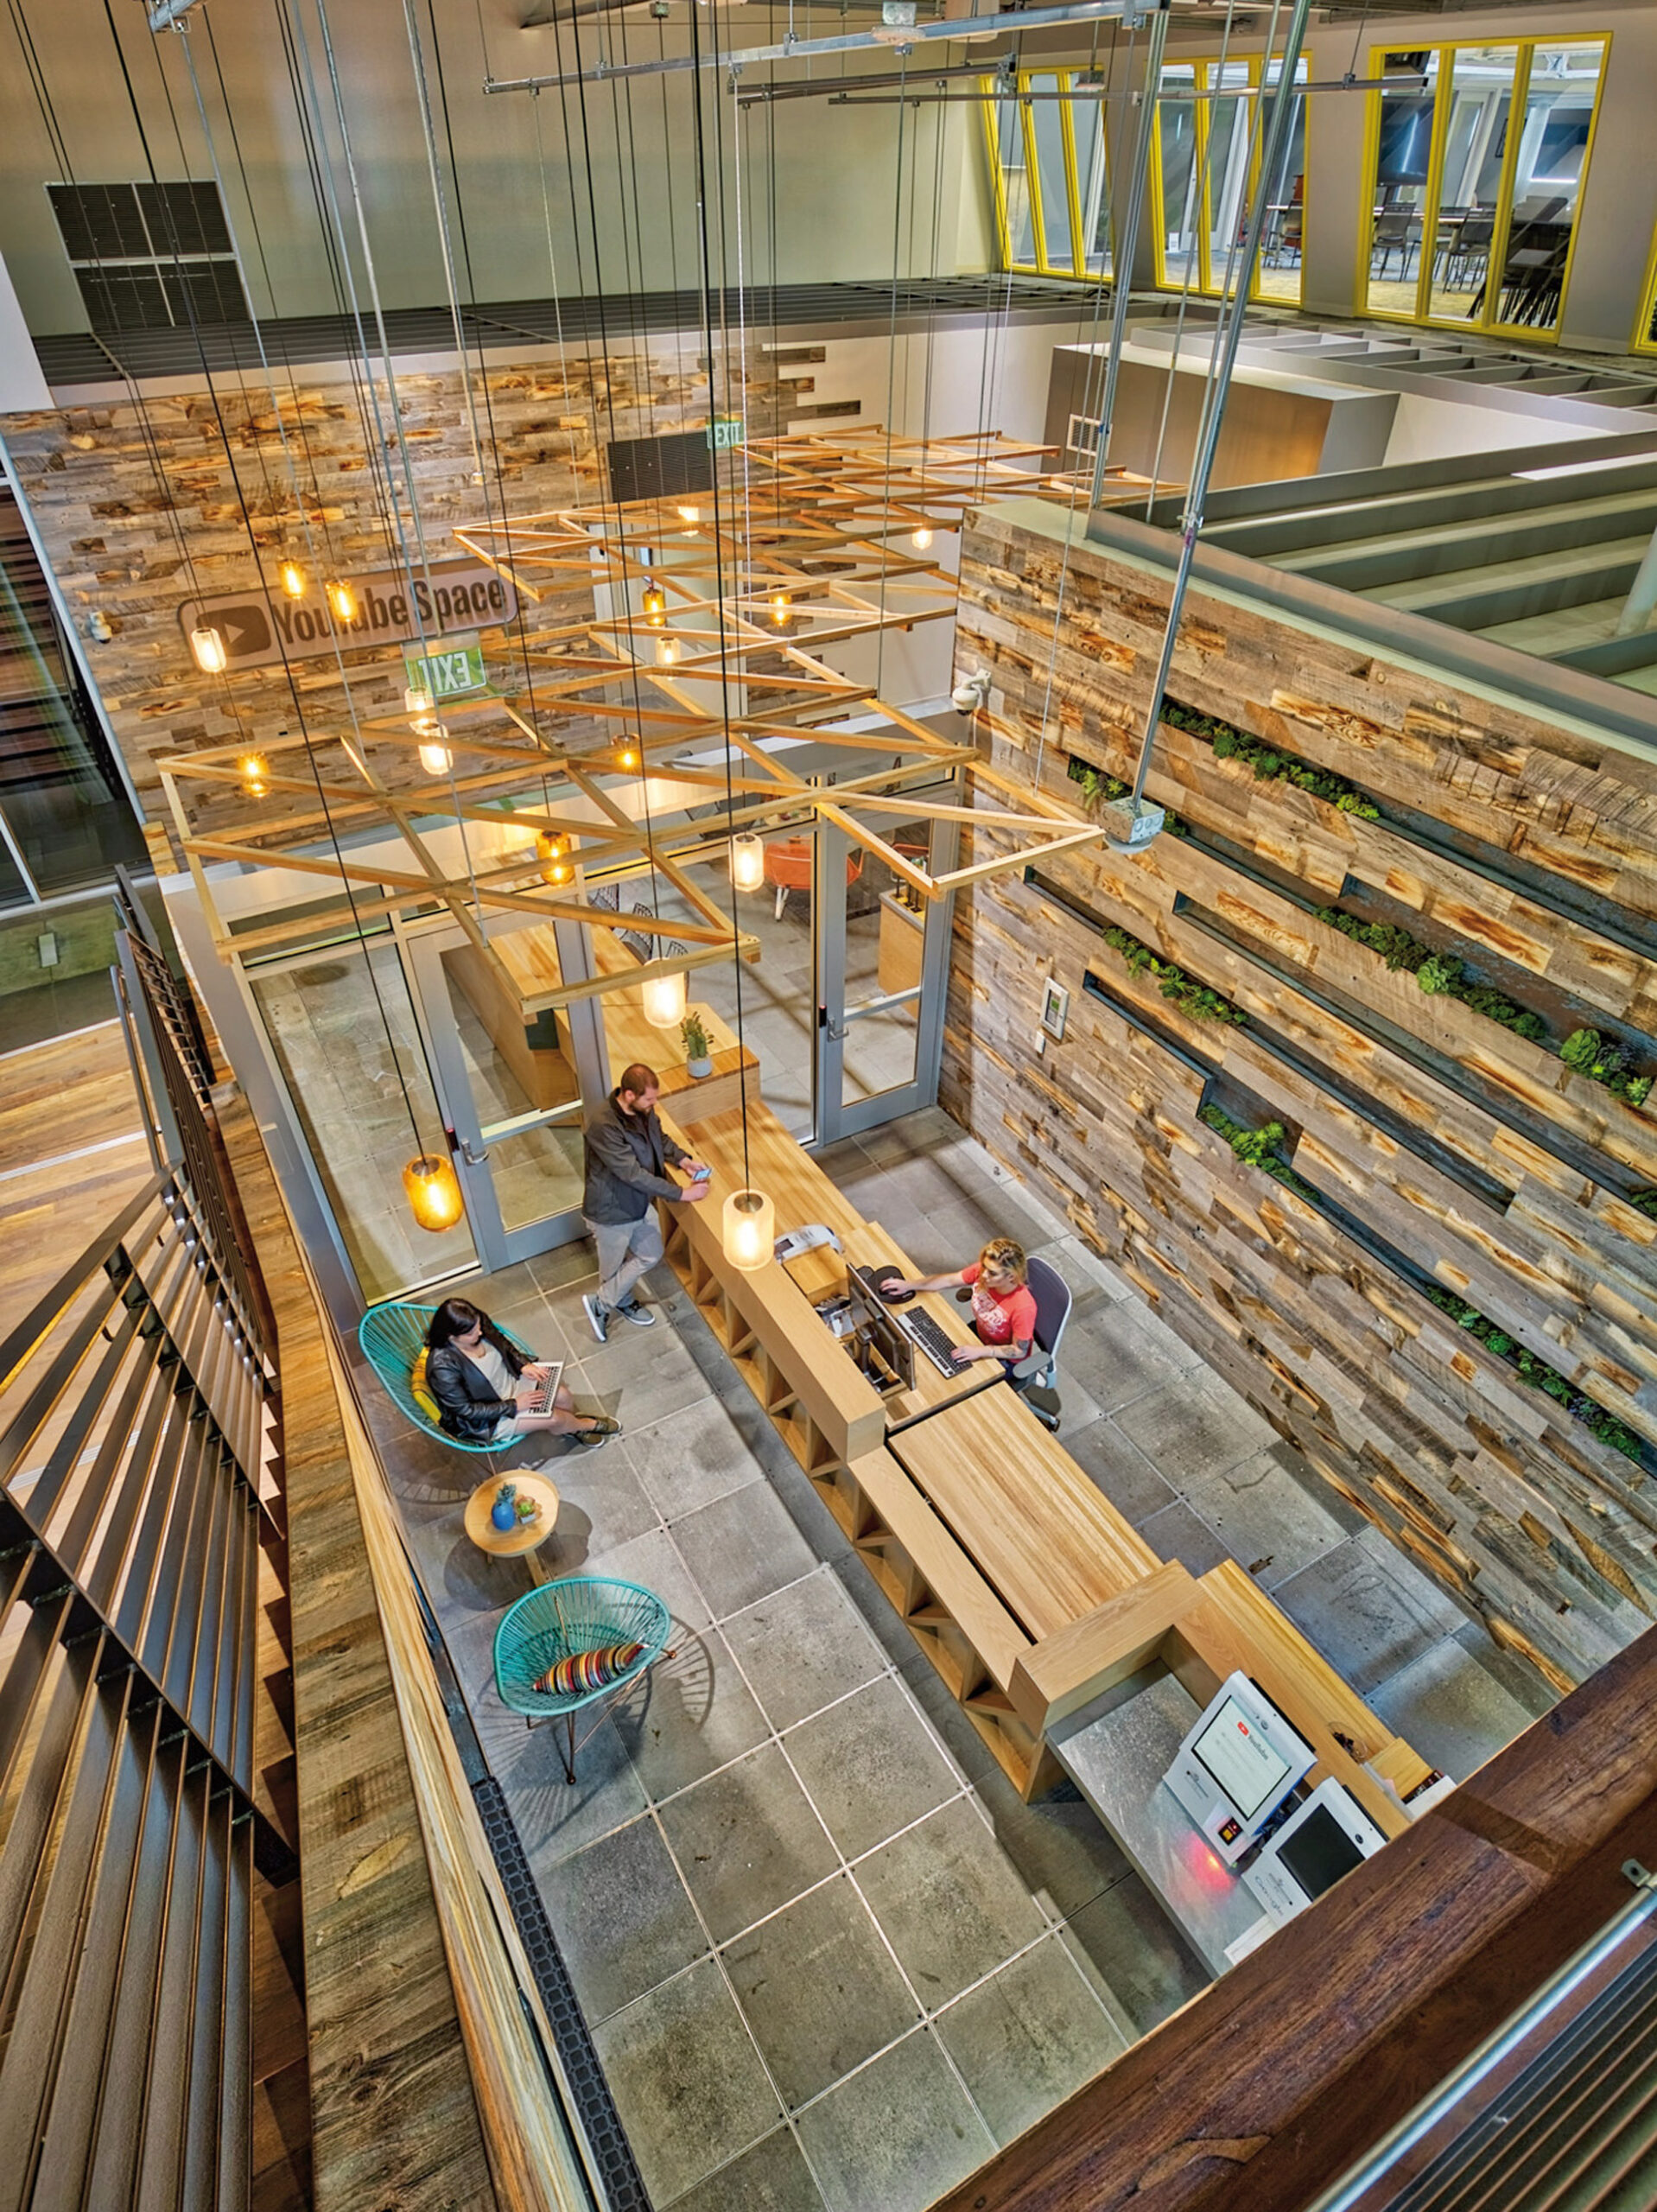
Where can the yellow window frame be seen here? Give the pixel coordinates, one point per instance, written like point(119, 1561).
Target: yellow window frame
point(1644, 341)
point(1443, 99)
point(1204, 81)
point(993, 99)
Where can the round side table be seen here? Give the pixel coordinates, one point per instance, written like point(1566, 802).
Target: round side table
point(525, 1537)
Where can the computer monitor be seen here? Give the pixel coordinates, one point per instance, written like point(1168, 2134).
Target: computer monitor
point(1322, 1841)
point(1236, 1766)
point(879, 1328)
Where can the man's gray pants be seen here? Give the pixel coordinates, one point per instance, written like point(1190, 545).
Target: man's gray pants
point(627, 1250)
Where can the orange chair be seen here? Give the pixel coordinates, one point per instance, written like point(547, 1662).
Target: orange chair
point(788, 868)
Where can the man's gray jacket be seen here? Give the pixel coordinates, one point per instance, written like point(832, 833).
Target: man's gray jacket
point(627, 1155)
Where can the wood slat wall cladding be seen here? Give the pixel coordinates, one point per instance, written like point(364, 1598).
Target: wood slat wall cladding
point(1423, 1144)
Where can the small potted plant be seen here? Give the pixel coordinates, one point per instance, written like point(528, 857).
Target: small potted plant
point(693, 1037)
point(504, 1511)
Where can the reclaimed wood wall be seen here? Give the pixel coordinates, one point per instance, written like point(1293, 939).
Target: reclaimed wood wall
point(1427, 1145)
point(155, 498)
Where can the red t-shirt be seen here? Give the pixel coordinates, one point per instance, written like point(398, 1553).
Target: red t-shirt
point(1008, 1321)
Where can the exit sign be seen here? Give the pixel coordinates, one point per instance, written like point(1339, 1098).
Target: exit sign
point(447, 675)
point(724, 432)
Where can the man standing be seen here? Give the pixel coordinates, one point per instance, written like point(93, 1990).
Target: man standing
point(628, 1155)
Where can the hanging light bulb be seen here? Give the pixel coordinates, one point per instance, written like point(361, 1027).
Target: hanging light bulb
point(780, 609)
point(656, 605)
point(747, 863)
point(922, 539)
point(208, 646)
point(341, 598)
point(255, 774)
point(689, 514)
point(416, 699)
point(628, 755)
point(749, 1229)
point(432, 1191)
point(664, 1000)
point(436, 759)
point(667, 651)
point(292, 578)
point(552, 853)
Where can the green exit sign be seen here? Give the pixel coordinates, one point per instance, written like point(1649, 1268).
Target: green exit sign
point(447, 675)
point(724, 432)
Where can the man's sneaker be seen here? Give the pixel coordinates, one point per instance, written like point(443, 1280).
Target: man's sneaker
point(596, 1314)
point(638, 1315)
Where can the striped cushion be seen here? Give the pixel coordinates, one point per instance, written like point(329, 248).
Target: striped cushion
point(586, 1670)
point(422, 1396)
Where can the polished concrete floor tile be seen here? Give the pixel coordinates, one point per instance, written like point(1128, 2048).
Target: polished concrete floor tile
point(747, 1842)
point(824, 1942)
point(772, 2176)
point(949, 1901)
point(742, 1549)
point(691, 1714)
point(871, 1766)
point(802, 1648)
point(1194, 1428)
point(1522, 1683)
point(1271, 1522)
point(1062, 1851)
point(1139, 1966)
point(640, 1377)
point(1119, 1467)
point(1451, 1708)
point(1179, 1533)
point(895, 2136)
point(622, 1918)
point(652, 1560)
point(691, 1459)
point(554, 1817)
point(1119, 1353)
point(602, 1505)
point(687, 2080)
point(1026, 2039)
point(1367, 1610)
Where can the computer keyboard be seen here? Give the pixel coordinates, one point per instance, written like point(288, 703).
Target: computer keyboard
point(936, 1342)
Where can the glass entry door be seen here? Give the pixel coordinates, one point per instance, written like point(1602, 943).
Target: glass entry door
point(883, 968)
point(512, 1090)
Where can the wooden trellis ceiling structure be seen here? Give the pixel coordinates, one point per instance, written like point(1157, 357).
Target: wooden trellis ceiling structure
point(692, 649)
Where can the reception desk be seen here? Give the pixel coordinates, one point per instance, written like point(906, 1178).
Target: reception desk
point(1028, 1592)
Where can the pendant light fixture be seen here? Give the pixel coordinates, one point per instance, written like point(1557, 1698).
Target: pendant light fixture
point(341, 598)
point(552, 856)
point(747, 863)
point(292, 578)
point(254, 774)
point(667, 652)
point(748, 1230)
point(416, 699)
point(664, 1000)
point(692, 515)
point(208, 646)
point(436, 758)
point(628, 755)
point(781, 610)
point(656, 606)
point(922, 539)
point(432, 1191)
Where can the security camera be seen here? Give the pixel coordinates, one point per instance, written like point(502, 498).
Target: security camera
point(971, 693)
point(99, 626)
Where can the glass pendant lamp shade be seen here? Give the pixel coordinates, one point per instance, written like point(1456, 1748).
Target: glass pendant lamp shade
point(208, 646)
point(656, 605)
point(747, 863)
point(780, 609)
point(292, 578)
point(416, 699)
point(552, 854)
point(255, 775)
point(921, 540)
point(432, 1191)
point(629, 755)
point(748, 1230)
point(664, 1000)
point(667, 651)
point(435, 760)
point(342, 600)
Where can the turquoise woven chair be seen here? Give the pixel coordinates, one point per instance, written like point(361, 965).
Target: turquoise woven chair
point(584, 1613)
point(392, 1337)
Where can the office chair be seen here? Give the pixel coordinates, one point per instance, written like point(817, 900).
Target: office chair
point(1040, 1371)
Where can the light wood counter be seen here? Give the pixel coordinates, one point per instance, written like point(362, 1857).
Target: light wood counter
point(903, 935)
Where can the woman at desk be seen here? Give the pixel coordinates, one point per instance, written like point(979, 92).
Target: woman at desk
point(1003, 1304)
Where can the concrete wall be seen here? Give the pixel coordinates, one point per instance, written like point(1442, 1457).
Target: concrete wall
point(523, 163)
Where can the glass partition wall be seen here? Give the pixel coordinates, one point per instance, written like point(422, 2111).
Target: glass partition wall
point(1205, 164)
point(1048, 166)
point(1476, 165)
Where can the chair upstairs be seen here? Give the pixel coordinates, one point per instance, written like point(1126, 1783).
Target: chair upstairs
point(392, 1337)
point(1053, 1301)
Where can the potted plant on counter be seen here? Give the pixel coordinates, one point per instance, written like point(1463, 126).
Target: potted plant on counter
point(693, 1037)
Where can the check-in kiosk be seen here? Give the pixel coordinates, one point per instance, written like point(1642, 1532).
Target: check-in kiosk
point(1236, 1766)
point(1323, 1838)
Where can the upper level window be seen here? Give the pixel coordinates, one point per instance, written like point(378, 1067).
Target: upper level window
point(148, 257)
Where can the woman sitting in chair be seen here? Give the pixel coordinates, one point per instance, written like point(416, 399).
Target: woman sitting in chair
point(1003, 1306)
point(488, 1393)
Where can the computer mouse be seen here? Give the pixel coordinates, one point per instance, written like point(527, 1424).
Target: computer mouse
point(896, 1297)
